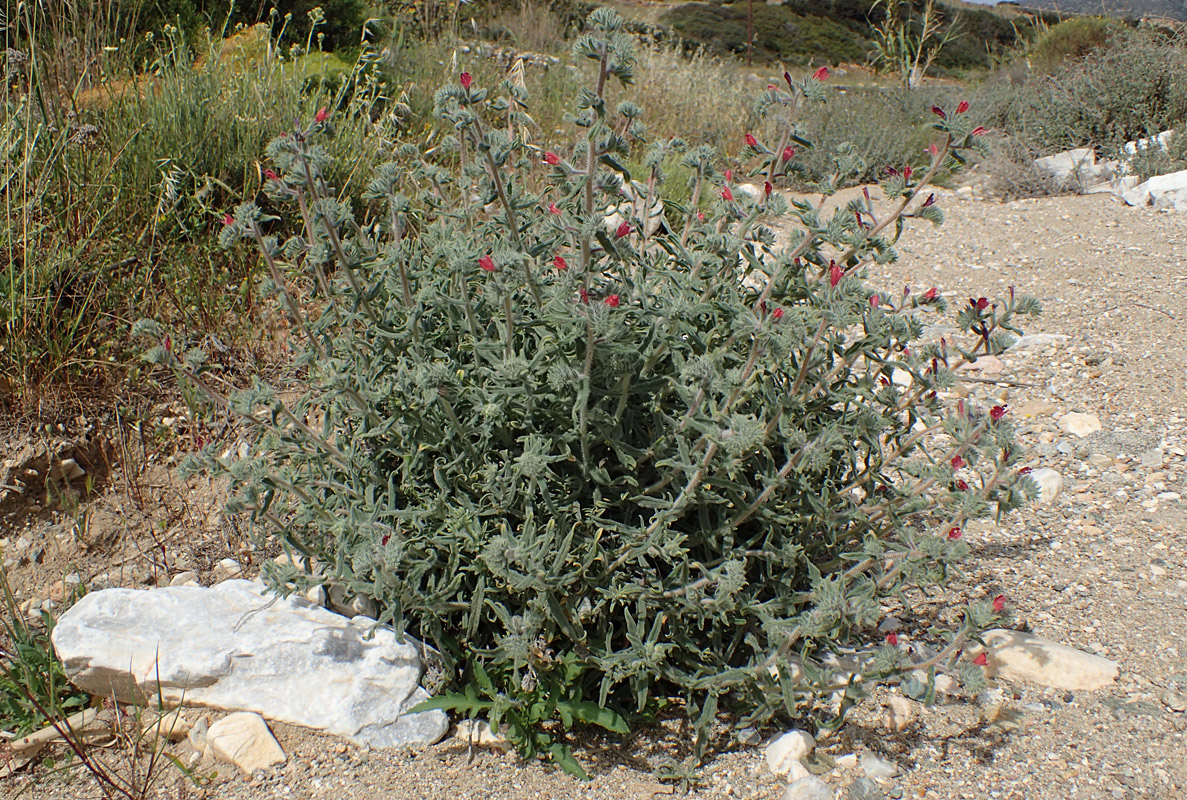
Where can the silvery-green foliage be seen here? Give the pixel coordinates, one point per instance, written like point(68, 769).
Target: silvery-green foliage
point(600, 484)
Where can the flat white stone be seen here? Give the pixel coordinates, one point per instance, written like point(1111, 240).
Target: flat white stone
point(1031, 659)
point(243, 739)
point(877, 767)
point(1079, 425)
point(233, 647)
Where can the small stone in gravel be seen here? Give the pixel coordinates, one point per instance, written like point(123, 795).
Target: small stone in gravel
point(877, 767)
point(187, 578)
point(1035, 408)
point(1174, 700)
point(1031, 659)
point(243, 739)
point(809, 788)
point(787, 750)
point(1079, 425)
point(225, 570)
point(900, 713)
point(864, 789)
point(1050, 483)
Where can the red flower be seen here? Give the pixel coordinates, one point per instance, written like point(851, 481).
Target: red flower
point(1024, 471)
point(270, 175)
point(700, 216)
point(552, 209)
point(611, 301)
point(999, 603)
point(874, 300)
point(777, 314)
point(939, 112)
point(383, 541)
point(907, 172)
point(957, 462)
point(962, 486)
point(821, 74)
point(623, 230)
point(729, 176)
point(981, 303)
point(981, 660)
point(997, 412)
point(726, 194)
point(321, 116)
point(963, 107)
point(560, 263)
point(834, 273)
point(930, 201)
point(750, 140)
point(931, 294)
point(978, 131)
point(168, 343)
point(788, 153)
point(955, 533)
point(552, 158)
point(584, 296)
point(228, 219)
point(787, 77)
point(767, 188)
point(932, 149)
point(487, 264)
point(892, 639)
point(960, 406)
point(465, 79)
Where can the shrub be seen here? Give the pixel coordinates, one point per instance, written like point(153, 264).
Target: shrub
point(779, 33)
point(1073, 40)
point(1112, 96)
point(611, 472)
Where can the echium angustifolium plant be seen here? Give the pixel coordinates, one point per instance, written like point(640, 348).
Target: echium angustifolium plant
point(607, 467)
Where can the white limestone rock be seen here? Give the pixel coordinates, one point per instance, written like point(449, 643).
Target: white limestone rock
point(785, 751)
point(1031, 659)
point(1050, 483)
point(233, 647)
point(1079, 425)
point(243, 739)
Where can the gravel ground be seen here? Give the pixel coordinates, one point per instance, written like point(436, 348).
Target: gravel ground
point(1102, 568)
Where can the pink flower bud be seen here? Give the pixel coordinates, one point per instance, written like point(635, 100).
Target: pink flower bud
point(999, 603)
point(777, 314)
point(767, 188)
point(978, 131)
point(321, 116)
point(623, 230)
point(552, 209)
point(981, 660)
point(465, 79)
point(787, 77)
point(834, 273)
point(907, 170)
point(612, 301)
point(228, 219)
point(874, 300)
point(487, 263)
point(960, 406)
point(270, 175)
point(982, 303)
point(930, 201)
point(957, 462)
point(821, 74)
point(552, 158)
point(560, 263)
point(962, 486)
point(1025, 471)
point(997, 412)
point(963, 107)
point(892, 639)
point(584, 296)
point(955, 533)
point(750, 140)
point(933, 150)
point(729, 176)
point(939, 112)
point(726, 194)
point(931, 294)
point(788, 153)
point(700, 216)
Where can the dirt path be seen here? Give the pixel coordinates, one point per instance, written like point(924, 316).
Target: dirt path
point(1102, 568)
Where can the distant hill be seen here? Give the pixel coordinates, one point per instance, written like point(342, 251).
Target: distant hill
point(1170, 9)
